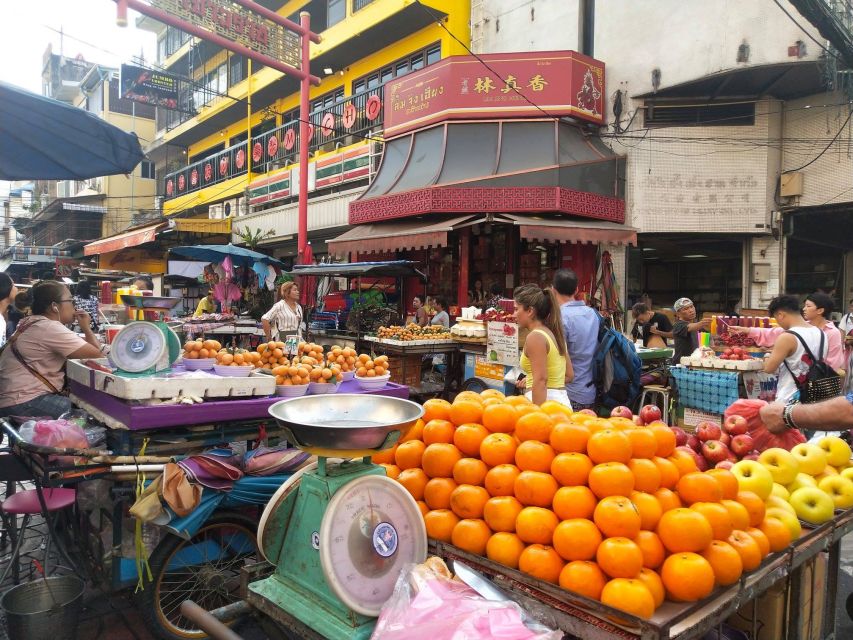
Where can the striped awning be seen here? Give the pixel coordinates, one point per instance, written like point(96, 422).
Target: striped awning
point(38, 254)
point(124, 240)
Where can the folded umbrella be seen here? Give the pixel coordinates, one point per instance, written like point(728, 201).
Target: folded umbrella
point(265, 461)
point(181, 495)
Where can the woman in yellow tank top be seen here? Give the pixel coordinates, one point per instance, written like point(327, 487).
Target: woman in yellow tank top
point(544, 359)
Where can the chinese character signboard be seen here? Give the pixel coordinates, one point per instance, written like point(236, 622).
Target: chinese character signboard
point(538, 84)
point(149, 87)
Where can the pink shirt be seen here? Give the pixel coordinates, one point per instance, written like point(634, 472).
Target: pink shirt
point(45, 345)
point(834, 349)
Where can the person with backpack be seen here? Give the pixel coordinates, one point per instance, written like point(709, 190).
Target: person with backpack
point(685, 330)
point(580, 325)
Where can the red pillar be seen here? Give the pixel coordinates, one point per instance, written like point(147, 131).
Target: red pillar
point(304, 111)
point(464, 266)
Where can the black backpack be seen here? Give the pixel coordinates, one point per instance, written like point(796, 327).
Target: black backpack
point(821, 382)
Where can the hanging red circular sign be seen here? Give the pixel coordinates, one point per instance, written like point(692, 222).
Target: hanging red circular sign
point(208, 172)
point(257, 152)
point(272, 146)
point(223, 165)
point(240, 158)
point(349, 115)
point(170, 187)
point(182, 182)
point(194, 177)
point(373, 107)
point(310, 132)
point(289, 139)
point(328, 124)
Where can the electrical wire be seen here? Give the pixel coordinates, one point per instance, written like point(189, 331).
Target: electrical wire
point(801, 28)
point(831, 142)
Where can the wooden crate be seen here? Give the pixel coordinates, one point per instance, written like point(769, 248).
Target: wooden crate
point(406, 370)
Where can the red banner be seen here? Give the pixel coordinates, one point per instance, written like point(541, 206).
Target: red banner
point(513, 85)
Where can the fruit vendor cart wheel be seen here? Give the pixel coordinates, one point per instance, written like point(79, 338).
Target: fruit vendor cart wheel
point(474, 384)
point(205, 569)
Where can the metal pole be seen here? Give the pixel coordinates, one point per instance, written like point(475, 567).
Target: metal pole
point(248, 128)
point(304, 87)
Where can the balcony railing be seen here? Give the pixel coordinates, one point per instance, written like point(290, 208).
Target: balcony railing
point(339, 125)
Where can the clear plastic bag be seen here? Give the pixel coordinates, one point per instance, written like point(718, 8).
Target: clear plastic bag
point(59, 434)
point(428, 605)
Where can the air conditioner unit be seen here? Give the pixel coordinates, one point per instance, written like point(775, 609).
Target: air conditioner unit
point(234, 207)
point(216, 211)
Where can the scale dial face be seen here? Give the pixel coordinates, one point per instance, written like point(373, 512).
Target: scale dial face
point(372, 528)
point(138, 347)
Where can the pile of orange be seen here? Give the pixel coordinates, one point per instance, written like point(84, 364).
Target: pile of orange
point(343, 356)
point(272, 355)
point(602, 507)
point(194, 349)
point(367, 367)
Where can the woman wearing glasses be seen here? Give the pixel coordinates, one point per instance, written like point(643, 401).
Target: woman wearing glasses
point(32, 362)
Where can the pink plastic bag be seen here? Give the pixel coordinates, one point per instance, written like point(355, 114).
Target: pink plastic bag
point(60, 434)
point(761, 437)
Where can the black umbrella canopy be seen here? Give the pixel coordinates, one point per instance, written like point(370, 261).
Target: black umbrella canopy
point(44, 139)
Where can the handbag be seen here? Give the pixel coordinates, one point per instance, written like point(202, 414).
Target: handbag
point(11, 345)
point(821, 382)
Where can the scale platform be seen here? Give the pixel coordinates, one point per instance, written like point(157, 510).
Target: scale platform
point(339, 532)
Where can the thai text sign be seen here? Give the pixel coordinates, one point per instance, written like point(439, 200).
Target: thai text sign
point(502, 343)
point(239, 25)
point(535, 84)
point(149, 87)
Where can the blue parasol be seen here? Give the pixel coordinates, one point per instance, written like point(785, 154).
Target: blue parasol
point(218, 252)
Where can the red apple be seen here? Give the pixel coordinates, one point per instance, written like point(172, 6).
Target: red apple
point(621, 412)
point(726, 439)
point(708, 431)
point(714, 451)
point(588, 412)
point(742, 444)
point(752, 455)
point(638, 421)
point(735, 425)
point(701, 463)
point(680, 436)
point(694, 442)
point(725, 464)
point(650, 413)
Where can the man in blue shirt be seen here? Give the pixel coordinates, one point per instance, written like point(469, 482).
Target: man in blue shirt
point(580, 324)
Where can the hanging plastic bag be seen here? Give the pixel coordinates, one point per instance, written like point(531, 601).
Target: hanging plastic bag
point(761, 437)
point(60, 434)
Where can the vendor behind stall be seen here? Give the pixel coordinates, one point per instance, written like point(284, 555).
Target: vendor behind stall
point(285, 316)
point(32, 362)
point(421, 317)
point(206, 305)
point(441, 316)
point(686, 329)
point(652, 327)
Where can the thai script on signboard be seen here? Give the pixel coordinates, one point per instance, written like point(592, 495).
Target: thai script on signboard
point(149, 87)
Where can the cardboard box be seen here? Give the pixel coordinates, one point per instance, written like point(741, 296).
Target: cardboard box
point(769, 614)
point(812, 598)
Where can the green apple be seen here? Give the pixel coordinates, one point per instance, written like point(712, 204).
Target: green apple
point(837, 451)
point(811, 457)
point(840, 489)
point(781, 464)
point(775, 502)
point(847, 473)
point(788, 520)
point(753, 476)
point(802, 480)
point(781, 491)
point(813, 505)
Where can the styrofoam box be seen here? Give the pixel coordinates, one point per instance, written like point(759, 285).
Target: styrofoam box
point(152, 387)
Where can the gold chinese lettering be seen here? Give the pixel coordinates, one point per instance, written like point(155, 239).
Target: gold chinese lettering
point(510, 84)
point(537, 83)
point(484, 85)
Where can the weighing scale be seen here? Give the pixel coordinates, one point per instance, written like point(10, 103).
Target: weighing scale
point(145, 347)
point(339, 532)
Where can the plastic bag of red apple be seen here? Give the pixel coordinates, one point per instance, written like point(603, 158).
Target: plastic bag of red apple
point(761, 437)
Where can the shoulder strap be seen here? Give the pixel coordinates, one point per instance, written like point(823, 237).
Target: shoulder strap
point(11, 344)
point(806, 347)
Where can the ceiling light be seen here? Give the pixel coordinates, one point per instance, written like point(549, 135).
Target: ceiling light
point(649, 249)
point(696, 255)
point(328, 71)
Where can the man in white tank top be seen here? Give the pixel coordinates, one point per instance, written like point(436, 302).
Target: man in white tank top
point(789, 356)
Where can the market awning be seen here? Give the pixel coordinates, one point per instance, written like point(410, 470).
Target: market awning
point(572, 231)
point(25, 253)
point(394, 236)
point(204, 225)
point(494, 167)
point(124, 240)
point(388, 268)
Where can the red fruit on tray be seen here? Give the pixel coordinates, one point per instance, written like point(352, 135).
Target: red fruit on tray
point(725, 464)
point(714, 451)
point(694, 442)
point(742, 445)
point(650, 413)
point(680, 436)
point(735, 425)
point(621, 412)
point(708, 431)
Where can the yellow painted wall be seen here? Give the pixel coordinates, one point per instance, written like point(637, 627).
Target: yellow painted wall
point(135, 260)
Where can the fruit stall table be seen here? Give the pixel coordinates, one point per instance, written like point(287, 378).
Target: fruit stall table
point(411, 353)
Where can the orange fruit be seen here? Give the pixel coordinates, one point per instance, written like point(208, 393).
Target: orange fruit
point(571, 469)
point(386, 456)
point(470, 471)
point(536, 525)
point(646, 474)
point(436, 409)
point(536, 425)
point(668, 472)
point(415, 433)
point(532, 455)
point(414, 480)
point(574, 502)
point(617, 516)
point(500, 480)
point(500, 418)
point(665, 438)
point(698, 487)
point(569, 437)
point(505, 548)
point(643, 442)
point(468, 501)
point(654, 584)
point(438, 460)
point(727, 481)
point(438, 431)
point(583, 577)
point(667, 499)
point(649, 509)
point(542, 562)
point(609, 445)
point(423, 507)
point(471, 535)
point(611, 479)
point(761, 538)
point(576, 539)
point(440, 524)
point(687, 577)
point(629, 595)
point(754, 507)
point(500, 513)
point(465, 411)
point(683, 461)
point(619, 557)
point(725, 561)
point(517, 401)
point(409, 454)
point(492, 393)
point(469, 437)
point(717, 516)
point(554, 408)
point(535, 489)
point(391, 470)
point(498, 448)
point(437, 493)
point(471, 396)
point(684, 530)
point(738, 514)
point(777, 533)
point(651, 548)
point(747, 547)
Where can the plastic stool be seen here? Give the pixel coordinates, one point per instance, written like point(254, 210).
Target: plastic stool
point(658, 395)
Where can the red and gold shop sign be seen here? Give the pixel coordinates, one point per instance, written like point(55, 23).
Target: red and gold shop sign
point(512, 85)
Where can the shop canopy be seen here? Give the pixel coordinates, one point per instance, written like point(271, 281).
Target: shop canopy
point(388, 269)
point(218, 252)
point(42, 138)
point(132, 238)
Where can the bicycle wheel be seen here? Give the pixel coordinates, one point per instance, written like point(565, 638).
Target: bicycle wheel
point(204, 569)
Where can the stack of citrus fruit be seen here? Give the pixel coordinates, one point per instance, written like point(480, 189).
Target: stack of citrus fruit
point(602, 507)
